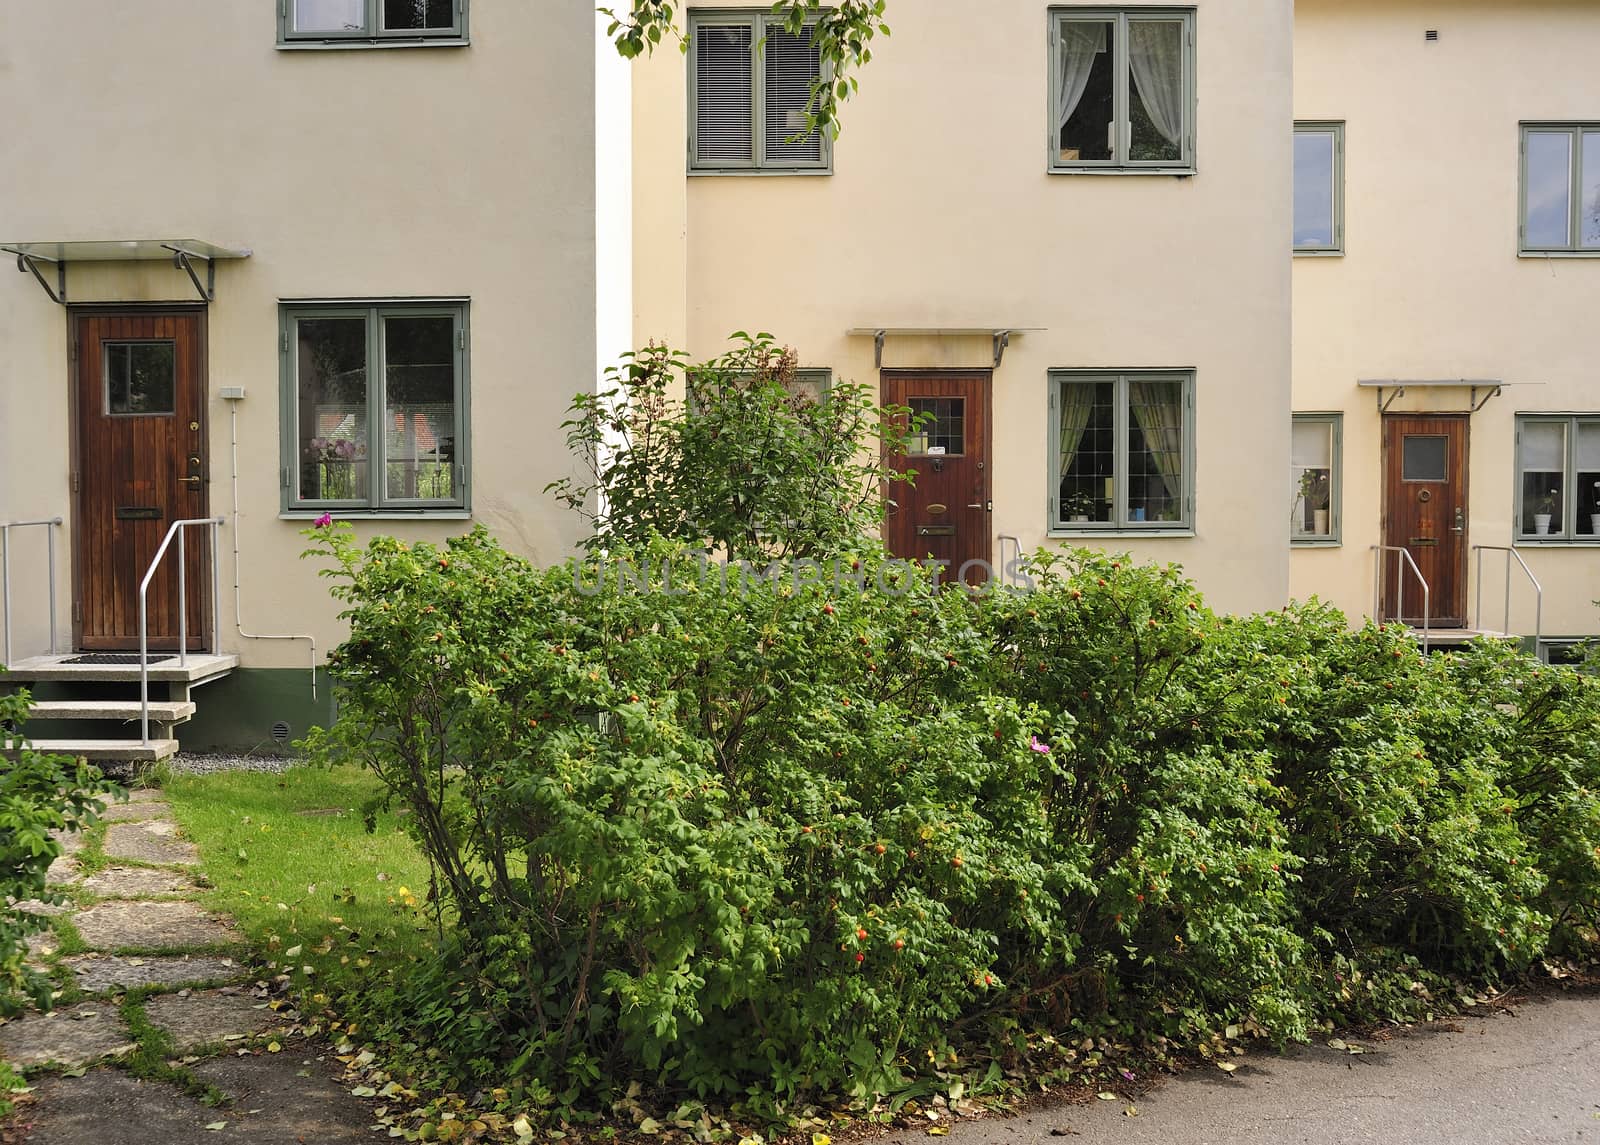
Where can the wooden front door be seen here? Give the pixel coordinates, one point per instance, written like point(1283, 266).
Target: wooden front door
point(140, 464)
point(943, 513)
point(1425, 513)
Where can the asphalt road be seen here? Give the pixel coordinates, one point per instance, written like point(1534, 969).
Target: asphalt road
point(1530, 1075)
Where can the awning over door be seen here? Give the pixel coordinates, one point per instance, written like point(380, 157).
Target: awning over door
point(1488, 387)
point(182, 253)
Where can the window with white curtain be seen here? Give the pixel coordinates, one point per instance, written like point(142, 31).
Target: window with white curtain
point(1314, 446)
point(1560, 188)
point(1122, 89)
point(750, 83)
point(1122, 451)
point(1558, 478)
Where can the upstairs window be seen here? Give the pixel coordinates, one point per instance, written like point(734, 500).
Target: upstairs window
point(381, 23)
point(749, 82)
point(1122, 89)
point(1319, 188)
point(1560, 189)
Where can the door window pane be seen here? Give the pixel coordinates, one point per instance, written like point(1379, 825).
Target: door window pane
point(417, 15)
point(1589, 189)
point(1156, 93)
point(419, 408)
point(329, 15)
point(1423, 457)
point(331, 387)
point(1313, 189)
point(940, 425)
point(140, 377)
point(1085, 107)
point(1549, 189)
point(1544, 452)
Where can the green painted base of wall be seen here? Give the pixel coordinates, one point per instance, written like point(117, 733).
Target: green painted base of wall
point(237, 713)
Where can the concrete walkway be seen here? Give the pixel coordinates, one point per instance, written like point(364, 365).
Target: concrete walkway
point(1530, 1075)
point(135, 925)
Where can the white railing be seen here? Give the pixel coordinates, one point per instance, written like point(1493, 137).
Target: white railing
point(1400, 590)
point(212, 524)
point(1538, 593)
point(50, 525)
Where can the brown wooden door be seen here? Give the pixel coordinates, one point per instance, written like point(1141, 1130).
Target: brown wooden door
point(1425, 513)
point(140, 457)
point(943, 514)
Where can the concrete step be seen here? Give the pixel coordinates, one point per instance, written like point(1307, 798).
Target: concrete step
point(161, 711)
point(201, 668)
point(129, 750)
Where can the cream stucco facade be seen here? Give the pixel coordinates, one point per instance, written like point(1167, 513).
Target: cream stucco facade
point(1431, 285)
point(940, 214)
point(462, 171)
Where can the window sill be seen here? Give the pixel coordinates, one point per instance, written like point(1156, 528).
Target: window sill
point(360, 45)
point(1318, 253)
point(702, 172)
point(1595, 253)
point(1117, 534)
point(1173, 172)
point(1315, 543)
point(1556, 543)
point(377, 514)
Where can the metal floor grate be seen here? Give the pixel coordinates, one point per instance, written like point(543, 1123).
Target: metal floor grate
point(115, 658)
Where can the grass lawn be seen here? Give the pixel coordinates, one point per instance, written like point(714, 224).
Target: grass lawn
point(318, 896)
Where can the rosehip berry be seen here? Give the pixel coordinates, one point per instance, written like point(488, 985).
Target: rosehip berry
point(899, 943)
point(879, 849)
point(956, 861)
point(860, 957)
point(827, 609)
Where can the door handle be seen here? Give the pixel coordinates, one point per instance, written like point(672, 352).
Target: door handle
point(1460, 525)
point(191, 480)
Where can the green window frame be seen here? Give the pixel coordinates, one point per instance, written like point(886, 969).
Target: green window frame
point(1316, 479)
point(1112, 448)
point(1078, 39)
point(341, 428)
point(775, 86)
point(1313, 131)
point(1559, 216)
point(372, 31)
point(1557, 476)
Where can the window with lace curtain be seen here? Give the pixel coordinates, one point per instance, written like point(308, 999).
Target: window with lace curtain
point(1122, 451)
point(1122, 89)
point(749, 86)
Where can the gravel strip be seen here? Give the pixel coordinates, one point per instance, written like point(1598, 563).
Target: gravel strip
point(188, 763)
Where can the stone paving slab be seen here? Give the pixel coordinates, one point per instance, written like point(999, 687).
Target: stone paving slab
point(144, 809)
point(152, 842)
point(273, 1105)
point(43, 909)
point(145, 795)
point(119, 924)
point(130, 882)
point(97, 973)
point(71, 841)
point(208, 1017)
point(62, 871)
point(71, 1037)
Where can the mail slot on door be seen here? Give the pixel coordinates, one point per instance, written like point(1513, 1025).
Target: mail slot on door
point(936, 530)
point(138, 513)
point(1424, 542)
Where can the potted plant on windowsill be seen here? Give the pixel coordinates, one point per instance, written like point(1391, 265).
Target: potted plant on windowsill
point(1077, 506)
point(1594, 518)
point(1544, 509)
point(1314, 495)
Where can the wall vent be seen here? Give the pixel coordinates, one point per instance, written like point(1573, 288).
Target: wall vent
point(1431, 35)
point(280, 732)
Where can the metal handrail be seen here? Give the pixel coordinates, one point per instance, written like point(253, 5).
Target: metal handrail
point(1538, 593)
point(177, 528)
point(1005, 568)
point(1400, 602)
point(50, 525)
